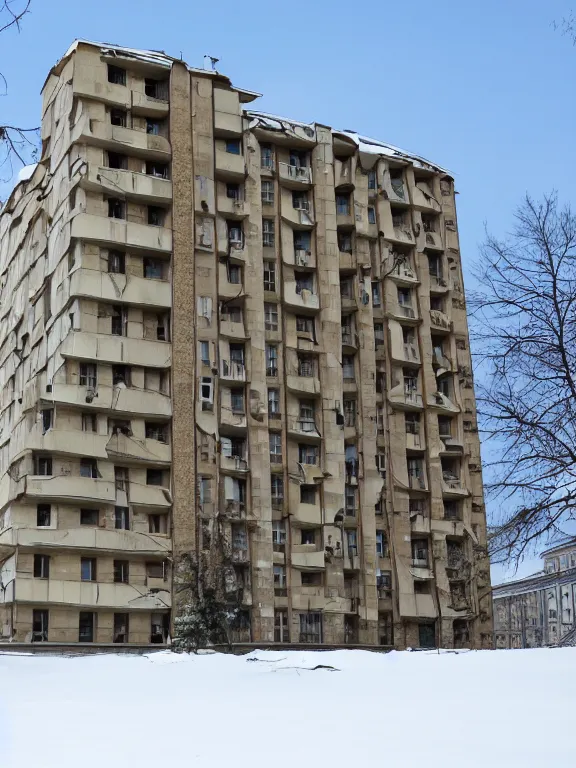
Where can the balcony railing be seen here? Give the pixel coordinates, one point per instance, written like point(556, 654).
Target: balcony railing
point(413, 398)
point(407, 311)
point(298, 173)
point(416, 481)
point(410, 352)
point(438, 318)
point(229, 369)
point(305, 425)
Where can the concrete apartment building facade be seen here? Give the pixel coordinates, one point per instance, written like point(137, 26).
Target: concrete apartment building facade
point(218, 325)
point(539, 610)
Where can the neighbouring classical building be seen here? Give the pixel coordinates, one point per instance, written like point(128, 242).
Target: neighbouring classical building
point(540, 609)
point(231, 335)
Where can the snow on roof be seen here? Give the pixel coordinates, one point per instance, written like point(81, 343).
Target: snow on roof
point(26, 172)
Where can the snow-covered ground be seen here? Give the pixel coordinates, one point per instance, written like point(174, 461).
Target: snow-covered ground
point(469, 709)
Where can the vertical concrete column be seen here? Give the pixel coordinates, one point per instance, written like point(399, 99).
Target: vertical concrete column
point(183, 314)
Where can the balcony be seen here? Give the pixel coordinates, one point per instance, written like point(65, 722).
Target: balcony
point(439, 320)
point(423, 198)
point(404, 274)
point(349, 340)
point(66, 441)
point(233, 464)
point(294, 176)
point(348, 261)
point(345, 218)
point(343, 173)
point(304, 428)
point(415, 441)
point(433, 241)
point(230, 167)
point(232, 371)
point(443, 403)
point(411, 354)
point(141, 187)
point(300, 298)
point(116, 349)
point(304, 556)
point(452, 485)
point(405, 312)
point(149, 106)
point(119, 232)
point(150, 496)
point(85, 537)
point(240, 555)
point(138, 291)
point(70, 488)
point(417, 481)
point(351, 559)
point(451, 444)
point(90, 594)
point(110, 137)
point(232, 330)
point(439, 360)
point(126, 400)
point(233, 207)
point(306, 385)
point(230, 418)
point(438, 284)
point(121, 446)
point(301, 216)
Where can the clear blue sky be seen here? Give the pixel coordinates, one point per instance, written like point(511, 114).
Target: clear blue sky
point(484, 89)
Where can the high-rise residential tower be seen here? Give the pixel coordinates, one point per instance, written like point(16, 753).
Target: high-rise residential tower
point(236, 340)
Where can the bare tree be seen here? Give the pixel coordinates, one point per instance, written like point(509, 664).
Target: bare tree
point(524, 322)
point(17, 144)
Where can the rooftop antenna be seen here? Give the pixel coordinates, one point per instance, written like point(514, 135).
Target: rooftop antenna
point(213, 61)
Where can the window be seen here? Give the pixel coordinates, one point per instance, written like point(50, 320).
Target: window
point(342, 205)
point(88, 569)
point(205, 352)
point(89, 422)
point(266, 156)
point(231, 314)
point(154, 477)
point(121, 374)
point(397, 218)
point(122, 518)
point(116, 75)
point(271, 360)
point(279, 580)
point(275, 441)
point(268, 233)
point(233, 146)
point(345, 242)
point(116, 262)
point(159, 170)
point(271, 317)
point(378, 334)
point(420, 553)
point(310, 628)
point(306, 365)
point(371, 179)
point(116, 208)
point(43, 515)
point(235, 235)
point(350, 500)
point(305, 325)
point(47, 419)
point(205, 490)
point(269, 275)
point(267, 192)
point(156, 89)
point(371, 215)
point(39, 626)
point(152, 127)
point(118, 117)
point(346, 288)
point(153, 269)
point(278, 534)
point(381, 544)
point(117, 161)
point(306, 412)
point(352, 542)
point(348, 368)
point(308, 454)
point(88, 468)
point(376, 294)
point(397, 182)
point(120, 632)
point(233, 191)
point(156, 216)
point(304, 282)
point(277, 490)
point(308, 536)
point(158, 524)
point(89, 517)
point(307, 495)
point(281, 629)
point(234, 273)
point(155, 431)
point(119, 324)
point(300, 201)
point(206, 392)
point(121, 572)
point(349, 412)
point(237, 400)
point(41, 567)
point(451, 510)
point(428, 223)
point(311, 578)
point(273, 403)
point(121, 478)
point(43, 465)
point(88, 375)
point(86, 627)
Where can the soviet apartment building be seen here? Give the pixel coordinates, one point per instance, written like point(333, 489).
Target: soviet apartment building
point(225, 329)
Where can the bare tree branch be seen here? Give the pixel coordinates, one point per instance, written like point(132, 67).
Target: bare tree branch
point(13, 13)
point(524, 325)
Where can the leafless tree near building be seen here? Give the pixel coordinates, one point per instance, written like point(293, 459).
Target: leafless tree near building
point(526, 335)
